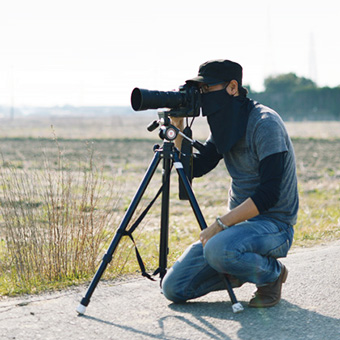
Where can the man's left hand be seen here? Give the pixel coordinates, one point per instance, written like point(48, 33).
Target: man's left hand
point(209, 232)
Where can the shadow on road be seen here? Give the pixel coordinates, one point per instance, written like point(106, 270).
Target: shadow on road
point(284, 321)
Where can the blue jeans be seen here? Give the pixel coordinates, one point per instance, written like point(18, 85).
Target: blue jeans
point(248, 251)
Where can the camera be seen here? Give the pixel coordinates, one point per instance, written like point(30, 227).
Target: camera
point(183, 103)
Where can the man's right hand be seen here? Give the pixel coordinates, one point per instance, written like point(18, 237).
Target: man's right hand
point(178, 122)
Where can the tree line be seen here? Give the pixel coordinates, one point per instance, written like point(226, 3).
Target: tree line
point(299, 98)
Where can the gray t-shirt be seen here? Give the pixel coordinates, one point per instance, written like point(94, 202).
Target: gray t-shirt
point(265, 135)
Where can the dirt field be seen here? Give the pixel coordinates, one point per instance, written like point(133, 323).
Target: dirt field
point(133, 126)
point(122, 142)
point(123, 148)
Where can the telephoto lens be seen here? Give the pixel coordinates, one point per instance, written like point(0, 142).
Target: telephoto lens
point(183, 103)
point(142, 99)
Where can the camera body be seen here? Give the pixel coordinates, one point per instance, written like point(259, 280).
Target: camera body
point(183, 103)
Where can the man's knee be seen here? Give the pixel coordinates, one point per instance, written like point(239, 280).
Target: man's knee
point(219, 256)
point(171, 289)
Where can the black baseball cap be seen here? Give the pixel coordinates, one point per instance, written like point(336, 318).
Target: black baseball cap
point(218, 71)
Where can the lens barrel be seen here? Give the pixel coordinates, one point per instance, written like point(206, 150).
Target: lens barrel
point(142, 99)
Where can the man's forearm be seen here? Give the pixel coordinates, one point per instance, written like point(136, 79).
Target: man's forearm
point(241, 213)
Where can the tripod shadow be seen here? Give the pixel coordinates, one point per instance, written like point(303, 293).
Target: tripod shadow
point(284, 321)
point(209, 330)
point(134, 331)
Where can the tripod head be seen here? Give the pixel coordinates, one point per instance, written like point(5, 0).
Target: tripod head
point(166, 131)
point(169, 132)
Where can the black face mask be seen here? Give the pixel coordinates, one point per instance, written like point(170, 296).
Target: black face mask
point(227, 117)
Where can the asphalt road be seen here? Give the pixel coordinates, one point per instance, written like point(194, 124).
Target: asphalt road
point(135, 309)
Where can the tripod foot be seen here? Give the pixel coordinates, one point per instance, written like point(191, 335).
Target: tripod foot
point(237, 308)
point(81, 309)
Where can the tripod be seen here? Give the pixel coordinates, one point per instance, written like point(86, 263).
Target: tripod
point(170, 156)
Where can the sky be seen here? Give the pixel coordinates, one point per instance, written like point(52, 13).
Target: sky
point(89, 53)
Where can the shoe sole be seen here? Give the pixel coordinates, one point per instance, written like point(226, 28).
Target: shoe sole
point(284, 274)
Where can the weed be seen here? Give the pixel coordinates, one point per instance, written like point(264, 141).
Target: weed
point(56, 223)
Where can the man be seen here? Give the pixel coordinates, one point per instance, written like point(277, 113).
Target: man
point(246, 241)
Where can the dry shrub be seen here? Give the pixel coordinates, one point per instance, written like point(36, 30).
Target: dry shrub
point(56, 221)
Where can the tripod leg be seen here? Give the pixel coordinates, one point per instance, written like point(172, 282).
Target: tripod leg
point(236, 306)
point(127, 217)
point(164, 235)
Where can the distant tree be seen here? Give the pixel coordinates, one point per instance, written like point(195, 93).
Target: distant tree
point(289, 82)
point(248, 88)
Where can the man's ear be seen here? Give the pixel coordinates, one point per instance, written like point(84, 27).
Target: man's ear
point(232, 88)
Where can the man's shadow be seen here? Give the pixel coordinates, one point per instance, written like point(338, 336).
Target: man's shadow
point(282, 322)
point(285, 321)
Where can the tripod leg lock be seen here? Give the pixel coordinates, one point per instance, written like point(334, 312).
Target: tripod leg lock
point(107, 258)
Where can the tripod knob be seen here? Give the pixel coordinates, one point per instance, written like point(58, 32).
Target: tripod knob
point(153, 126)
point(168, 132)
point(155, 147)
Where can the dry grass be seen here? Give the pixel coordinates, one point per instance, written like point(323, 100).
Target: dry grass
point(61, 202)
point(56, 221)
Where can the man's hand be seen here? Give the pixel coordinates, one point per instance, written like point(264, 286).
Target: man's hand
point(243, 212)
point(178, 122)
point(208, 233)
